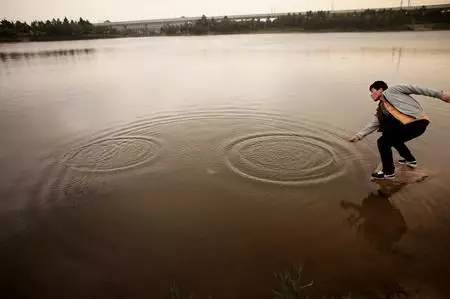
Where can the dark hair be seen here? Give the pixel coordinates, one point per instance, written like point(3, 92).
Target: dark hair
point(378, 84)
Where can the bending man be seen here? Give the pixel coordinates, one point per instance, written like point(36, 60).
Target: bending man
point(400, 118)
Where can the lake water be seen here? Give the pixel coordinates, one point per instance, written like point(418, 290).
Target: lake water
point(213, 162)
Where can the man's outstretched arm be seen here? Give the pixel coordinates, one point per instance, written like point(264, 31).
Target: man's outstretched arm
point(372, 126)
point(414, 89)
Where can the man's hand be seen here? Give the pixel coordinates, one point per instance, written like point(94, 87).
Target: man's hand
point(445, 97)
point(354, 139)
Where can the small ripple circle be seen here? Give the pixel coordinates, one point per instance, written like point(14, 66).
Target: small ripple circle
point(284, 158)
point(114, 154)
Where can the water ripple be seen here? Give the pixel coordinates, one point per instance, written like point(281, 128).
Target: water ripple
point(286, 151)
point(285, 158)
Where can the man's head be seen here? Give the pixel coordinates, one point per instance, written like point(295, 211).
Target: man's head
point(376, 89)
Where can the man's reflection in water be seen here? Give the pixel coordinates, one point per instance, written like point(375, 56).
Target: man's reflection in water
point(376, 218)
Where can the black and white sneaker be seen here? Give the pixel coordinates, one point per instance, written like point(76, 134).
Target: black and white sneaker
point(379, 175)
point(412, 164)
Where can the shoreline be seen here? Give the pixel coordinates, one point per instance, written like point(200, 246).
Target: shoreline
point(270, 31)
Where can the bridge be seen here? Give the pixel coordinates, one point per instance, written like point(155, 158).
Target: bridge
point(155, 25)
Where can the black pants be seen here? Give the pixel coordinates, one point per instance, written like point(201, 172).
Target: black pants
point(396, 137)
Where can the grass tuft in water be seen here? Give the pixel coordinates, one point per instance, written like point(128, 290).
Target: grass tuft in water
point(291, 284)
point(176, 293)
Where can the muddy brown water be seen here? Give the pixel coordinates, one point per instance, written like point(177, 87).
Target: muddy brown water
point(128, 165)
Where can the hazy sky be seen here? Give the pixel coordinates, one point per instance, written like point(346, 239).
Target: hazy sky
point(120, 10)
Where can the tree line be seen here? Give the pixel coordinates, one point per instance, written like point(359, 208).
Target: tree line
point(366, 20)
point(50, 29)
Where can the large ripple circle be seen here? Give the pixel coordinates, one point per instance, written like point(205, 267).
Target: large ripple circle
point(114, 154)
point(284, 158)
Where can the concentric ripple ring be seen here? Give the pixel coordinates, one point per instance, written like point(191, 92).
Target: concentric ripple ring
point(114, 154)
point(284, 158)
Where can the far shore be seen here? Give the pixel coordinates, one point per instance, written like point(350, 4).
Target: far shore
point(266, 31)
point(395, 19)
